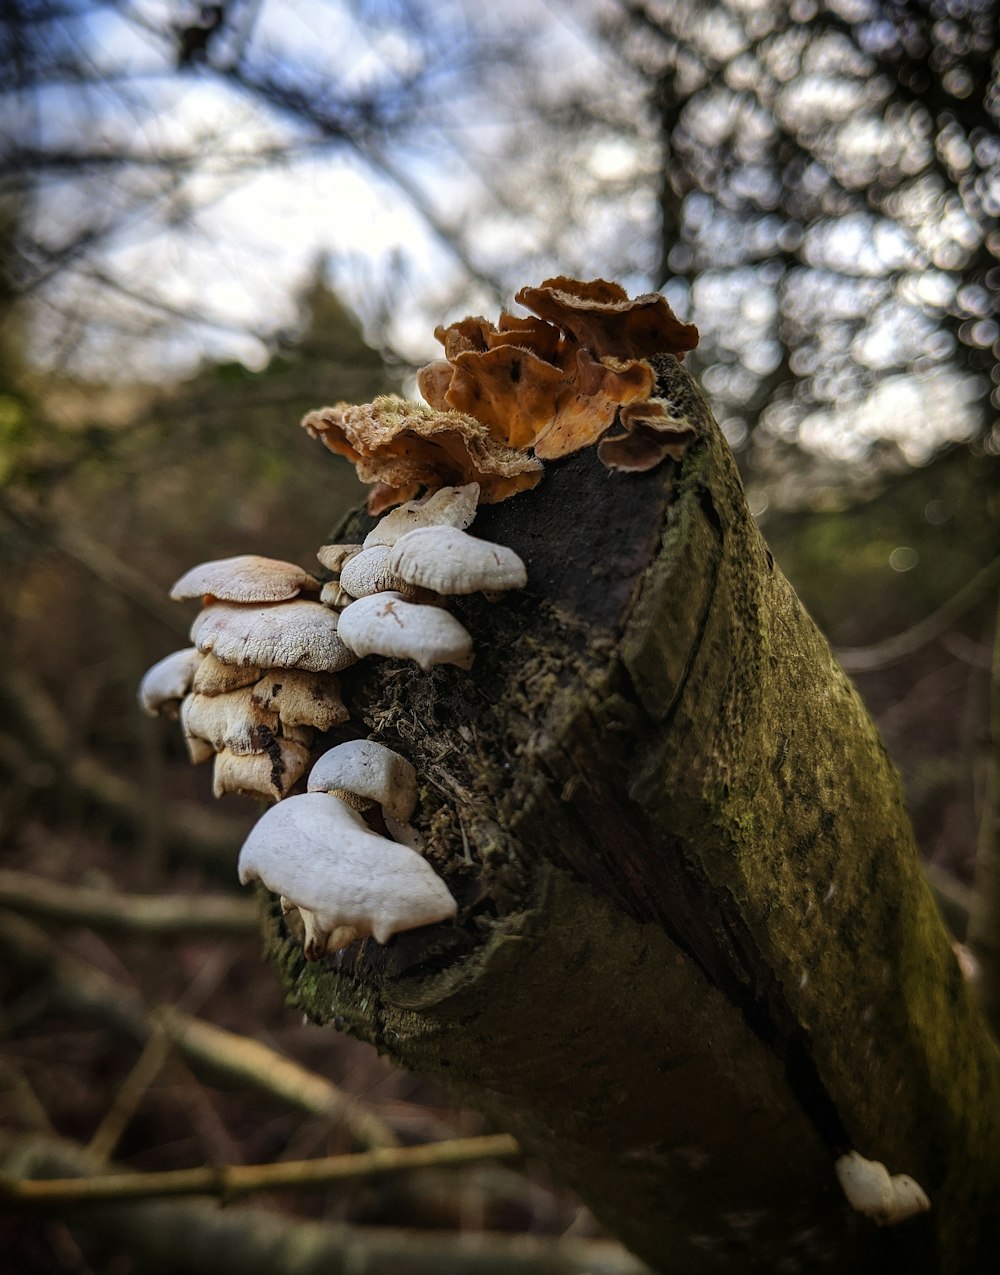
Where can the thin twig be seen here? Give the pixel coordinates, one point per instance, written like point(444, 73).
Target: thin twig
point(255, 1063)
point(130, 1094)
point(249, 1061)
point(99, 561)
point(203, 1239)
point(865, 659)
point(149, 914)
point(984, 919)
point(230, 1180)
point(954, 899)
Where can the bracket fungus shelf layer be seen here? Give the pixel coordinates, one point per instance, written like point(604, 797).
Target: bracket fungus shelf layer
point(509, 395)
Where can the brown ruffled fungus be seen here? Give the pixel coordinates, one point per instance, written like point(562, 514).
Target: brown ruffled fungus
point(532, 334)
point(470, 333)
point(602, 318)
point(514, 393)
point(555, 383)
point(403, 446)
point(659, 427)
point(590, 403)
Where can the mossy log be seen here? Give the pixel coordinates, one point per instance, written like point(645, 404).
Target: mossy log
point(695, 959)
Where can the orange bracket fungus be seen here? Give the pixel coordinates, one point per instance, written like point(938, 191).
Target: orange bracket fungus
point(510, 394)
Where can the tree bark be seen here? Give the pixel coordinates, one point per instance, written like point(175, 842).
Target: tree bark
point(695, 959)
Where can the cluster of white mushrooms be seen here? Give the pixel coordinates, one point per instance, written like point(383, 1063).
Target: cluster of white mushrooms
point(887, 1198)
point(261, 681)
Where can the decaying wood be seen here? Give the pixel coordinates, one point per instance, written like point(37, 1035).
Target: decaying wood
point(696, 959)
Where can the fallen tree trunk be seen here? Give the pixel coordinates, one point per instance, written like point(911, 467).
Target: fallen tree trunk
point(696, 960)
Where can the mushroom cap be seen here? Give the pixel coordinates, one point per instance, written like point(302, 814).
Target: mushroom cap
point(386, 624)
point(335, 596)
point(245, 578)
point(268, 774)
point(402, 446)
point(449, 507)
point(321, 856)
point(294, 634)
point(664, 425)
point(866, 1183)
point(301, 698)
point(908, 1197)
point(165, 684)
point(596, 390)
point(369, 572)
point(364, 768)
point(232, 721)
point(212, 677)
point(869, 1188)
point(604, 320)
point(451, 561)
point(511, 390)
point(333, 557)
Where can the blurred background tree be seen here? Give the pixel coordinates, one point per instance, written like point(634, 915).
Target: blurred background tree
point(213, 218)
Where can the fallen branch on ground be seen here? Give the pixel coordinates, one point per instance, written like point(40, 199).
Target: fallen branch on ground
point(203, 1239)
point(148, 914)
point(225, 1053)
point(229, 1180)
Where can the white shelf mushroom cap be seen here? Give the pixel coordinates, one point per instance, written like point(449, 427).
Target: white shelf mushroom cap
point(368, 770)
point(285, 635)
point(321, 857)
point(268, 775)
point(370, 572)
point(230, 721)
point(334, 595)
point(386, 624)
point(213, 677)
point(448, 560)
point(245, 578)
point(165, 684)
point(447, 507)
point(333, 557)
point(870, 1189)
point(301, 698)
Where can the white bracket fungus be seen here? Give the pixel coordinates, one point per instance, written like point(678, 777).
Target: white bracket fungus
point(230, 721)
point(386, 624)
point(283, 635)
point(448, 560)
point(335, 596)
point(367, 771)
point(212, 677)
point(267, 774)
point(246, 578)
point(347, 882)
point(447, 507)
point(370, 572)
point(301, 698)
point(333, 557)
point(870, 1189)
point(165, 684)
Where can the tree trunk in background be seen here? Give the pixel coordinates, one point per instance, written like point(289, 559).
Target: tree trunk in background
point(696, 959)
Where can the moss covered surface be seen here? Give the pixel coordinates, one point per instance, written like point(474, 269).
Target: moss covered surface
point(694, 959)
